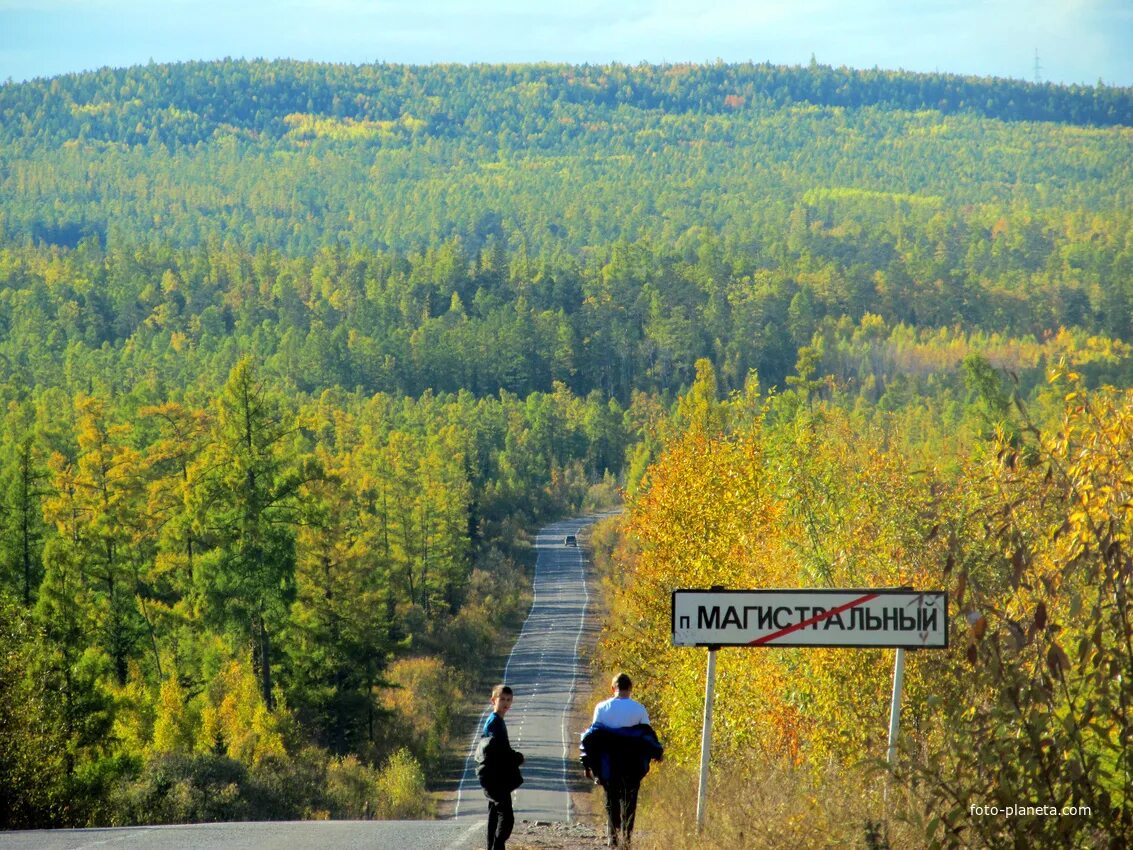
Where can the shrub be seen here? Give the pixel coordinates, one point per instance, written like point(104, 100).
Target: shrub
point(287, 787)
point(401, 786)
point(180, 788)
point(470, 637)
point(603, 496)
point(424, 701)
point(353, 789)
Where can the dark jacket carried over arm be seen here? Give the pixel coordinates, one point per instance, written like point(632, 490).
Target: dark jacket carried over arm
point(497, 764)
point(619, 753)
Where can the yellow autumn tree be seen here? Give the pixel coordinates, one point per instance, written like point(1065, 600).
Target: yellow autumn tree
point(172, 728)
point(806, 501)
point(235, 719)
point(424, 699)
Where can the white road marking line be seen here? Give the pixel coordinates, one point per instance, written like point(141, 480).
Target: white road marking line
point(481, 824)
point(574, 677)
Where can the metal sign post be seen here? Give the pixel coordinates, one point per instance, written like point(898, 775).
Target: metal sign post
point(895, 705)
point(706, 737)
point(900, 618)
point(894, 721)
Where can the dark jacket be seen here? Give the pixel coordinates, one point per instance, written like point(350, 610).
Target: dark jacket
point(619, 753)
point(497, 764)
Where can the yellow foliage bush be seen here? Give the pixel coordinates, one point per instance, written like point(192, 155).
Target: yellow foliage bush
point(424, 699)
point(235, 719)
point(401, 787)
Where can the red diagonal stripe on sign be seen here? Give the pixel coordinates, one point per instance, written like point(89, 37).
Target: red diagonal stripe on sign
point(818, 618)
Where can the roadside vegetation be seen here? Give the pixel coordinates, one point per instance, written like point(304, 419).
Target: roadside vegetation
point(1024, 523)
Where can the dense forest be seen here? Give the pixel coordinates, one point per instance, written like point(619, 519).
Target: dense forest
point(296, 157)
point(294, 356)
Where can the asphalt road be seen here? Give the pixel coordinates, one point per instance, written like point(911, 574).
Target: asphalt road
point(544, 669)
point(298, 835)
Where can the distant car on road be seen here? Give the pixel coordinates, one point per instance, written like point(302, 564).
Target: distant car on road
point(570, 540)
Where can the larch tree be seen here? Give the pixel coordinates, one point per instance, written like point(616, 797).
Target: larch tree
point(95, 507)
point(22, 488)
point(339, 638)
point(170, 460)
point(247, 507)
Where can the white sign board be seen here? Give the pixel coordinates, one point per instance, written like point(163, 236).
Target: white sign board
point(861, 618)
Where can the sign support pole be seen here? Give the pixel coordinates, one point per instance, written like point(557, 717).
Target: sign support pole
point(894, 721)
point(706, 737)
point(895, 705)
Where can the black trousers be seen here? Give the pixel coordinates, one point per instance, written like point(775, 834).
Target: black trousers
point(621, 807)
point(501, 820)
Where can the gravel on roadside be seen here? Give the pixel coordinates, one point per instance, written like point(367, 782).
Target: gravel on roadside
point(552, 835)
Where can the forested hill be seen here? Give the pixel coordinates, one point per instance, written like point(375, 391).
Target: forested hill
point(295, 156)
point(195, 99)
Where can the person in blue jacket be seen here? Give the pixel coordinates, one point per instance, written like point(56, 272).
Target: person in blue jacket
point(616, 751)
point(497, 768)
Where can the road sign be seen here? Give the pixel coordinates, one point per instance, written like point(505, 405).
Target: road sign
point(899, 618)
point(857, 618)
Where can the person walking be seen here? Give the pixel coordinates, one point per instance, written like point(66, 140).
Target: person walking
point(497, 768)
point(616, 751)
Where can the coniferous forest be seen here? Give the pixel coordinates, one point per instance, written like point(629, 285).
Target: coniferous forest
point(293, 358)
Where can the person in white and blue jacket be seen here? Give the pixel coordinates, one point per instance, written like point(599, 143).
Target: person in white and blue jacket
point(616, 752)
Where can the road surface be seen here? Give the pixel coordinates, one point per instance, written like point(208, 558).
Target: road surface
point(299, 835)
point(544, 669)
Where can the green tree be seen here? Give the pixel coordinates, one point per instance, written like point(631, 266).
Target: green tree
point(340, 633)
point(30, 745)
point(95, 507)
point(22, 488)
point(699, 410)
point(248, 506)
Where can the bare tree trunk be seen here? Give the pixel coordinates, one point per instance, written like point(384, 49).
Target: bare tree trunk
point(263, 658)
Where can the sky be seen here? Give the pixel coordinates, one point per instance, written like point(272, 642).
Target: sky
point(1078, 41)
